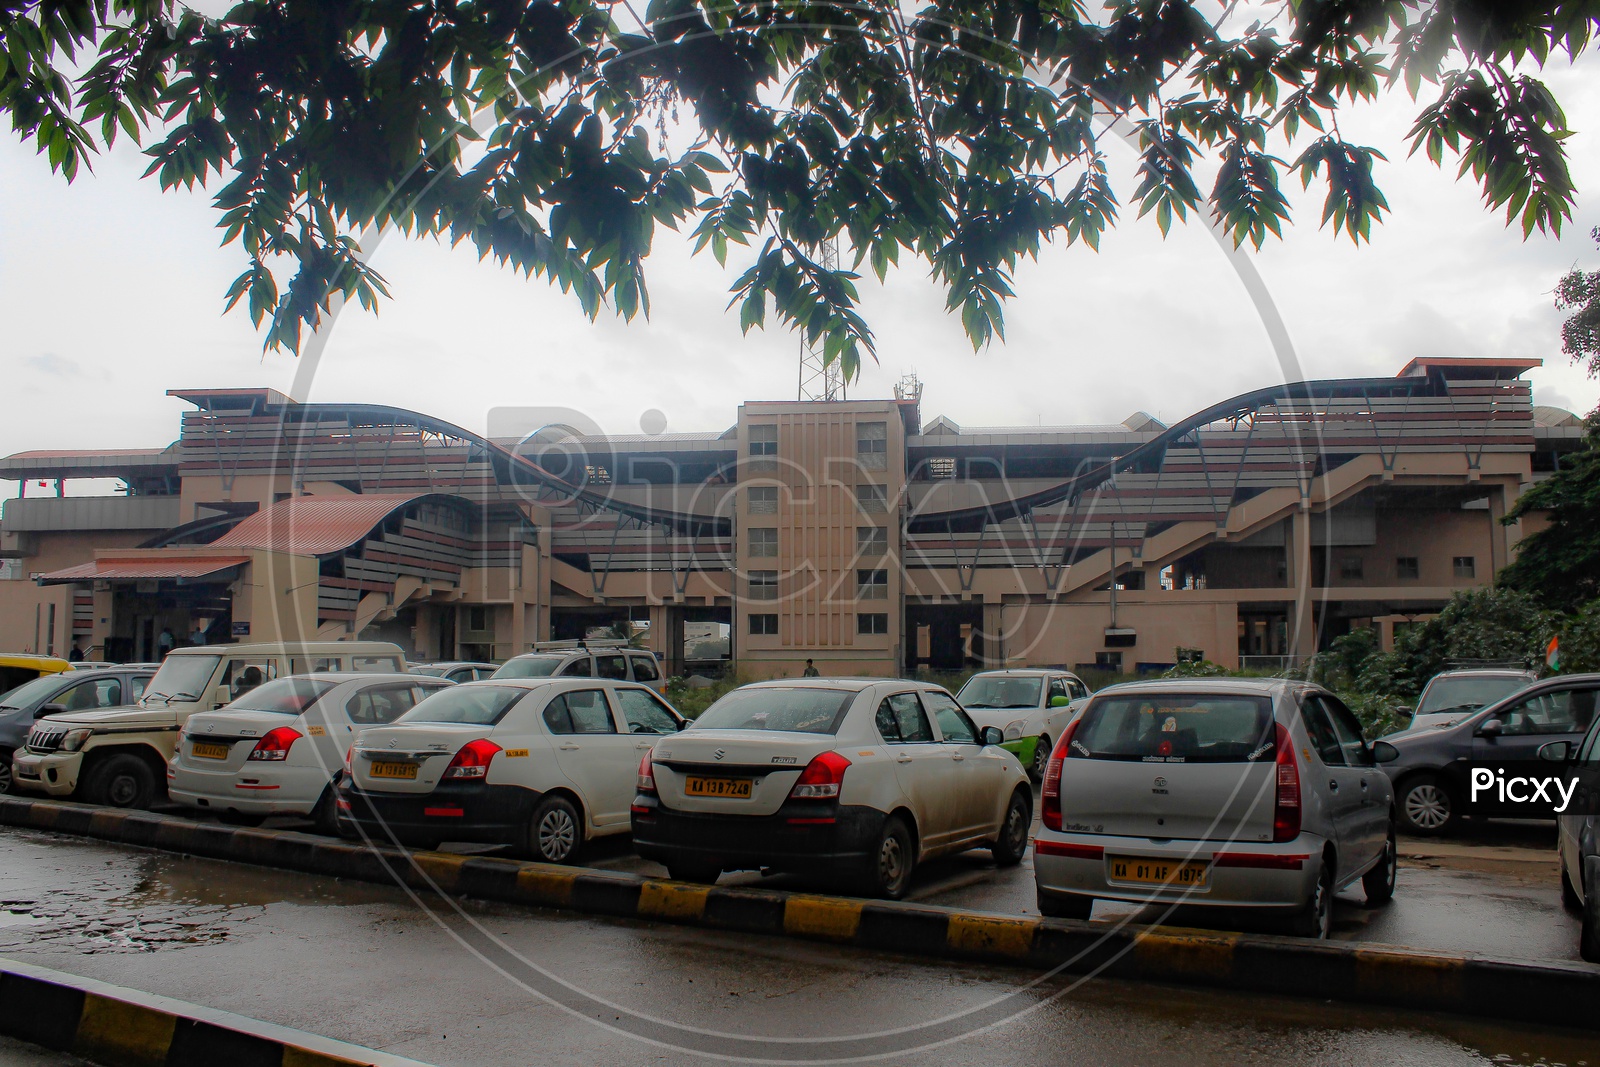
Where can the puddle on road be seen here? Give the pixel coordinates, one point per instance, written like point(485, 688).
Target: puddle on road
point(146, 902)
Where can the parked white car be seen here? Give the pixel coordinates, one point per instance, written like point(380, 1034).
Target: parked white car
point(595, 659)
point(541, 764)
point(277, 749)
point(1030, 706)
point(1227, 793)
point(852, 778)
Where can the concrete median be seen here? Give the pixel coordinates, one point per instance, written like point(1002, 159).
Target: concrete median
point(1561, 994)
point(111, 1025)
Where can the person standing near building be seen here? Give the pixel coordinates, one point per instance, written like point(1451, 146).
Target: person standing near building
point(164, 643)
point(810, 671)
point(75, 655)
point(199, 636)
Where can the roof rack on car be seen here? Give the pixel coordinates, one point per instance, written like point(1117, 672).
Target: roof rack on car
point(573, 643)
point(1487, 664)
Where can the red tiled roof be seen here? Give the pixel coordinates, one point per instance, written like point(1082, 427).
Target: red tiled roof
point(314, 525)
point(170, 564)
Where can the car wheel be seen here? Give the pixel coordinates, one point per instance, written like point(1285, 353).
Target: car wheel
point(1315, 919)
point(555, 831)
point(325, 816)
point(1379, 881)
point(891, 861)
point(1569, 893)
point(1009, 847)
point(1067, 907)
point(5, 773)
point(1427, 806)
point(121, 782)
point(1041, 759)
point(1589, 939)
point(690, 871)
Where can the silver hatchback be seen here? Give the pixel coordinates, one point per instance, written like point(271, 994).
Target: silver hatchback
point(1221, 793)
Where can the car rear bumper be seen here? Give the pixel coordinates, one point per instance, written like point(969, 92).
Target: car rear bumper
point(1242, 875)
point(489, 814)
point(255, 790)
point(54, 773)
point(800, 836)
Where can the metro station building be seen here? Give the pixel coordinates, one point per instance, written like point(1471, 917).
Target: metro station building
point(856, 533)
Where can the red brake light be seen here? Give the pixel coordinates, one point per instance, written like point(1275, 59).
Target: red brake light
point(349, 754)
point(276, 744)
point(822, 779)
point(1050, 790)
point(473, 759)
point(647, 776)
point(1286, 808)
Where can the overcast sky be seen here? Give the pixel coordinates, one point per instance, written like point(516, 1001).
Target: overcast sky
point(111, 292)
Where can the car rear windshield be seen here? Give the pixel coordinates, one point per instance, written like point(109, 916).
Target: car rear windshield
point(479, 705)
point(530, 667)
point(988, 691)
point(1450, 694)
point(798, 710)
point(1176, 728)
point(286, 696)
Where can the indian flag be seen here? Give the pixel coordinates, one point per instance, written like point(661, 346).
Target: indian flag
point(1552, 655)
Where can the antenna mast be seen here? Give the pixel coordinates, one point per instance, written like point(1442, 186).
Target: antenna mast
point(819, 381)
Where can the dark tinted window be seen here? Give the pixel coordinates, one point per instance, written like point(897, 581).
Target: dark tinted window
point(614, 667)
point(578, 668)
point(1176, 727)
point(1323, 737)
point(809, 711)
point(901, 720)
point(286, 696)
point(644, 669)
point(530, 667)
point(380, 704)
point(583, 711)
point(1348, 729)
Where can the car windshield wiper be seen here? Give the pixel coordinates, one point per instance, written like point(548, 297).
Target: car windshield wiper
point(1452, 708)
point(167, 698)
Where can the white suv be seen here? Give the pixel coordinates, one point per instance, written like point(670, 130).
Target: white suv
point(850, 777)
point(585, 661)
point(542, 764)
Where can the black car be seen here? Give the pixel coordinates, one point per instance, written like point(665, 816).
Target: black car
point(1430, 774)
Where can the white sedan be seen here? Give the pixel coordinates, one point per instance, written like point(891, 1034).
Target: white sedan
point(541, 764)
point(1031, 706)
point(839, 777)
point(276, 749)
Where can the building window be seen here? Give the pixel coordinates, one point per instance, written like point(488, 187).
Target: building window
point(872, 445)
point(872, 623)
point(941, 467)
point(872, 540)
point(763, 541)
point(1350, 568)
point(872, 499)
point(764, 439)
point(872, 585)
point(1405, 568)
point(478, 620)
point(1464, 566)
point(1108, 661)
point(763, 585)
point(763, 499)
point(764, 625)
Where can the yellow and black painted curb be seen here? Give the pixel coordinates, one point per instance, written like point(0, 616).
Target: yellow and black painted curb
point(1555, 993)
point(111, 1025)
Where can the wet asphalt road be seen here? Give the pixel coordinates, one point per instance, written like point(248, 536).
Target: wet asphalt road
point(473, 984)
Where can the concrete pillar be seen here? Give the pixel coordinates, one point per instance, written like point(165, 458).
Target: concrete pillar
point(994, 635)
point(1302, 616)
point(1499, 535)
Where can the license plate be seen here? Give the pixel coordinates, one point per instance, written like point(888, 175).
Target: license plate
point(1157, 872)
point(393, 770)
point(201, 750)
point(737, 788)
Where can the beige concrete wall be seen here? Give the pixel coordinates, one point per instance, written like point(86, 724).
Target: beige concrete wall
point(24, 605)
point(1039, 633)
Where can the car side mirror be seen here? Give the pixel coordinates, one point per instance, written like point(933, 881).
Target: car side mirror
point(990, 735)
point(1491, 729)
point(1556, 751)
point(1060, 702)
point(49, 709)
point(1384, 752)
point(683, 724)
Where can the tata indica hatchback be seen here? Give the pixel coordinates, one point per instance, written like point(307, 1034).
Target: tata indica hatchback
point(1236, 793)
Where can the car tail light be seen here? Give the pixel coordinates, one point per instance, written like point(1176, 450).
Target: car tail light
point(1050, 789)
point(647, 776)
point(1286, 808)
point(822, 778)
point(276, 744)
point(473, 759)
point(349, 754)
